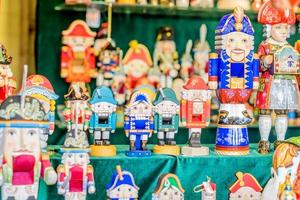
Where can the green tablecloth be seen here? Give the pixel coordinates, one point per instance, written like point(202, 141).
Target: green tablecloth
point(191, 172)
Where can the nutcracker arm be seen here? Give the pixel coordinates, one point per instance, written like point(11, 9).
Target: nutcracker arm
point(47, 172)
point(67, 116)
point(91, 61)
point(1, 176)
point(65, 58)
point(87, 117)
point(156, 122)
point(255, 68)
point(92, 123)
point(113, 122)
point(90, 178)
point(183, 112)
point(213, 70)
point(62, 180)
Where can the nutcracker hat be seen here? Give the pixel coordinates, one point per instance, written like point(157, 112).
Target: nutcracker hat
point(137, 51)
point(79, 28)
point(195, 83)
point(139, 97)
point(121, 177)
point(38, 84)
point(166, 94)
point(103, 94)
point(270, 13)
point(245, 180)
point(77, 91)
point(165, 33)
point(166, 181)
point(235, 22)
point(4, 58)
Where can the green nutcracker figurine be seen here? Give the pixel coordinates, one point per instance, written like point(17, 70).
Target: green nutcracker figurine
point(166, 120)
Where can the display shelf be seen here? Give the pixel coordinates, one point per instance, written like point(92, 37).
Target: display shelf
point(155, 10)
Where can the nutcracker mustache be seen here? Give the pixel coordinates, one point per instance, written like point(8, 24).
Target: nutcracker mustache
point(238, 51)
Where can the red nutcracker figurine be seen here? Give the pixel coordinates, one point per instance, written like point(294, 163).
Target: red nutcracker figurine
point(7, 83)
point(195, 113)
point(77, 56)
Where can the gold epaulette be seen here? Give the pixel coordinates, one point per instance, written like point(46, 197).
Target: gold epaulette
point(213, 55)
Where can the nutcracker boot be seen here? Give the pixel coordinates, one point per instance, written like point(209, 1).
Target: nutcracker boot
point(170, 138)
point(160, 137)
point(281, 124)
point(105, 137)
point(144, 145)
point(194, 135)
point(132, 145)
point(265, 124)
point(97, 138)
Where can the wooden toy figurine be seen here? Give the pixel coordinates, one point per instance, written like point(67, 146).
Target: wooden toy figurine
point(103, 121)
point(139, 123)
point(77, 116)
point(246, 187)
point(234, 72)
point(208, 190)
point(166, 121)
point(7, 83)
point(22, 122)
point(75, 175)
point(78, 56)
point(122, 186)
point(231, 4)
point(40, 87)
point(168, 188)
point(195, 114)
point(278, 88)
point(165, 56)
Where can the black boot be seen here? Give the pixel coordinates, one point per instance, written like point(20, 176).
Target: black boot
point(161, 142)
point(195, 140)
point(264, 147)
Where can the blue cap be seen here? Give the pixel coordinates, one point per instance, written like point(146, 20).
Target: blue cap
point(103, 94)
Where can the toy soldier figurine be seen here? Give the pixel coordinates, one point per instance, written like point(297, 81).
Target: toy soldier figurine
point(234, 72)
point(103, 121)
point(195, 114)
point(7, 83)
point(165, 56)
point(122, 186)
point(77, 116)
point(278, 90)
point(168, 188)
point(138, 123)
point(77, 56)
point(166, 121)
point(208, 190)
point(22, 121)
point(75, 175)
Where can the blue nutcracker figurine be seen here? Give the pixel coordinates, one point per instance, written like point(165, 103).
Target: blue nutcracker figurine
point(166, 120)
point(139, 123)
point(103, 121)
point(233, 72)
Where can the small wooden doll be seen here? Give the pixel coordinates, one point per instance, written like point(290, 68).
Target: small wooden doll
point(246, 187)
point(75, 175)
point(122, 186)
point(168, 188)
point(78, 56)
point(165, 56)
point(233, 73)
point(22, 122)
point(139, 123)
point(137, 63)
point(231, 4)
point(77, 116)
point(7, 83)
point(40, 87)
point(208, 190)
point(166, 121)
point(278, 90)
point(103, 121)
point(195, 114)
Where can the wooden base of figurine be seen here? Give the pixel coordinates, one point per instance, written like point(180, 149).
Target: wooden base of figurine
point(138, 153)
point(231, 4)
point(127, 2)
point(232, 153)
point(103, 150)
point(173, 150)
point(194, 151)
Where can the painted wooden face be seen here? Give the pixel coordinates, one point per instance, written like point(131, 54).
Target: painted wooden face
point(103, 108)
point(141, 109)
point(238, 45)
point(167, 46)
point(280, 32)
point(123, 192)
point(245, 193)
point(136, 68)
point(21, 141)
point(170, 194)
point(192, 95)
point(74, 159)
point(282, 172)
point(167, 108)
point(78, 43)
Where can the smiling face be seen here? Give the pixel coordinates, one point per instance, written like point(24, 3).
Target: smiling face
point(170, 194)
point(103, 108)
point(245, 193)
point(75, 159)
point(136, 68)
point(21, 141)
point(167, 108)
point(141, 109)
point(280, 32)
point(238, 45)
point(123, 192)
point(78, 43)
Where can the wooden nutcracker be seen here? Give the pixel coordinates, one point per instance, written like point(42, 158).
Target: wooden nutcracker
point(208, 190)
point(40, 87)
point(7, 83)
point(195, 114)
point(78, 56)
point(278, 90)
point(77, 116)
point(22, 122)
point(168, 188)
point(233, 72)
point(103, 121)
point(166, 121)
point(122, 186)
point(138, 123)
point(246, 187)
point(165, 56)
point(231, 4)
